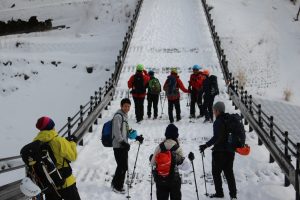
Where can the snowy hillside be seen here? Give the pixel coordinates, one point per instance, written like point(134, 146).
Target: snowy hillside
point(262, 43)
point(54, 63)
point(155, 44)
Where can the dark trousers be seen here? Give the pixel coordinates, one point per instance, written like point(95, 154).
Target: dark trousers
point(171, 105)
point(139, 108)
point(152, 100)
point(223, 161)
point(208, 106)
point(121, 156)
point(173, 190)
point(196, 98)
point(69, 193)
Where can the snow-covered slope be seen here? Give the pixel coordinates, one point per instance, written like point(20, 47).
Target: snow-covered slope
point(55, 62)
point(173, 33)
point(262, 43)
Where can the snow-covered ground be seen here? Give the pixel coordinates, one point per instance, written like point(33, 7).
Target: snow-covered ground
point(173, 33)
point(262, 43)
point(55, 62)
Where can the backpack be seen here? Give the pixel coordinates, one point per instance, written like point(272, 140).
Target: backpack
point(107, 135)
point(165, 165)
point(171, 87)
point(40, 162)
point(235, 129)
point(196, 81)
point(138, 84)
point(213, 85)
point(154, 86)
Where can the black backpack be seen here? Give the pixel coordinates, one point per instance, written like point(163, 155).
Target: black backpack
point(235, 129)
point(138, 84)
point(213, 85)
point(171, 87)
point(40, 162)
point(170, 174)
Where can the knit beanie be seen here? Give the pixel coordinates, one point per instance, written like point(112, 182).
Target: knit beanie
point(45, 123)
point(219, 106)
point(171, 132)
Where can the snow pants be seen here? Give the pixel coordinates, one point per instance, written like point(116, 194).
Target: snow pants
point(69, 193)
point(152, 100)
point(139, 108)
point(208, 107)
point(171, 105)
point(196, 98)
point(223, 161)
point(173, 190)
point(121, 156)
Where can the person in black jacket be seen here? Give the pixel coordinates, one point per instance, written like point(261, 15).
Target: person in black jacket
point(210, 90)
point(222, 154)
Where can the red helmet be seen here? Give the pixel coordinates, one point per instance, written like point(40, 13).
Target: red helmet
point(206, 72)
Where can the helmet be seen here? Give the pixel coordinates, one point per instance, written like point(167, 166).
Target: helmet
point(174, 70)
point(140, 67)
point(28, 188)
point(197, 67)
point(151, 73)
point(206, 72)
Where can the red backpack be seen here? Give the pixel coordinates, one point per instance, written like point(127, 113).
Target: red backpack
point(165, 164)
point(196, 81)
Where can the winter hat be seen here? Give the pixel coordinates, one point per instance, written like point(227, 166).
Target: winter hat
point(151, 73)
point(139, 67)
point(174, 70)
point(220, 106)
point(197, 67)
point(206, 72)
point(45, 123)
point(171, 132)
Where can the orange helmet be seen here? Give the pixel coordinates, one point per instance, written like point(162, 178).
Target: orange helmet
point(206, 72)
point(244, 151)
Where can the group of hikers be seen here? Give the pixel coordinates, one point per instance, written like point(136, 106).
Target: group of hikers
point(167, 159)
point(202, 90)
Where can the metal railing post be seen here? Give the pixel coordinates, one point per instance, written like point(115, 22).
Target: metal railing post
point(271, 125)
point(297, 173)
point(287, 156)
point(259, 122)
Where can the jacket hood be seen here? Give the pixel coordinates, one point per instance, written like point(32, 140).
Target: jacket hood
point(46, 136)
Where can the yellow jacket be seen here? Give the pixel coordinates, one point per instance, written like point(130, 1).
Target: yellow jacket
point(62, 149)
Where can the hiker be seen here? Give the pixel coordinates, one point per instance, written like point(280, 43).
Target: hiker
point(154, 89)
point(121, 132)
point(167, 179)
point(210, 90)
point(222, 154)
point(138, 83)
point(171, 87)
point(195, 88)
point(64, 151)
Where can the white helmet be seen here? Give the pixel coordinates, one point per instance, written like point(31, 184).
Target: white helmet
point(28, 188)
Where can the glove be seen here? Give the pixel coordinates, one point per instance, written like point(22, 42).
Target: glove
point(125, 145)
point(190, 89)
point(191, 156)
point(202, 148)
point(140, 138)
point(72, 138)
point(150, 158)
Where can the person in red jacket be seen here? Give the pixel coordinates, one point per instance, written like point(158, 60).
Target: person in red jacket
point(138, 83)
point(171, 87)
point(196, 89)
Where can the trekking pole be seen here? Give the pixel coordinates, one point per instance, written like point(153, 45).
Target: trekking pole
point(195, 179)
point(151, 182)
point(128, 186)
point(204, 174)
point(133, 173)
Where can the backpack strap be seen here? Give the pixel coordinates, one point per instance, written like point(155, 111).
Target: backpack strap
point(162, 147)
point(175, 147)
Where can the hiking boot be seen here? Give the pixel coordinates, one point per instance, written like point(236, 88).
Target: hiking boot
point(200, 116)
point(216, 195)
point(121, 191)
point(178, 118)
point(206, 120)
point(192, 116)
point(149, 116)
point(155, 117)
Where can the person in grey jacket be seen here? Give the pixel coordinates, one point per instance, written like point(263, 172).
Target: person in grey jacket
point(121, 132)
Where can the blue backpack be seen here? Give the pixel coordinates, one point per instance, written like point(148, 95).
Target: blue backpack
point(107, 135)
